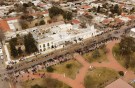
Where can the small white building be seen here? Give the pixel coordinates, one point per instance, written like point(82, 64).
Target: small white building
point(132, 32)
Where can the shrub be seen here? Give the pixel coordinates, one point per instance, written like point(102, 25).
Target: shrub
point(68, 66)
point(121, 73)
point(36, 86)
point(42, 22)
point(50, 69)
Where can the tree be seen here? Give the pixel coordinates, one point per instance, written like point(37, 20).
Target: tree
point(96, 54)
point(42, 22)
point(50, 69)
point(29, 43)
point(121, 73)
point(103, 47)
point(36, 86)
point(13, 49)
point(68, 66)
point(117, 9)
point(25, 5)
point(2, 36)
point(127, 46)
point(67, 15)
point(20, 51)
point(98, 9)
point(54, 11)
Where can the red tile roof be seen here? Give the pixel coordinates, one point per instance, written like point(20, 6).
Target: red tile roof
point(106, 21)
point(118, 20)
point(132, 17)
point(86, 7)
point(75, 21)
point(4, 25)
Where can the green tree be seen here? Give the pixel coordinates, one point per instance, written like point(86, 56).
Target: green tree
point(68, 66)
point(67, 15)
point(117, 9)
point(42, 22)
point(29, 43)
point(50, 69)
point(14, 51)
point(121, 73)
point(20, 51)
point(54, 11)
point(36, 86)
point(98, 9)
point(127, 46)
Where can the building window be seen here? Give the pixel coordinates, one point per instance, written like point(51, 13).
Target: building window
point(47, 44)
point(41, 50)
point(44, 49)
point(43, 45)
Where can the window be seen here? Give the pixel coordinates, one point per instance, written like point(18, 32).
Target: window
point(43, 45)
point(47, 44)
point(41, 50)
point(44, 49)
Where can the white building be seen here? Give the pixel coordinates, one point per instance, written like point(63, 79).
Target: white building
point(56, 35)
point(59, 35)
point(132, 32)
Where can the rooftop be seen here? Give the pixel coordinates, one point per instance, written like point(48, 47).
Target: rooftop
point(119, 84)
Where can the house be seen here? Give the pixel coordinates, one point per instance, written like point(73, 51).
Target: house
point(107, 21)
point(119, 84)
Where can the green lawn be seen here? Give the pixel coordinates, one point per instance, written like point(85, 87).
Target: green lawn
point(44, 83)
point(70, 72)
point(90, 59)
point(69, 68)
point(100, 77)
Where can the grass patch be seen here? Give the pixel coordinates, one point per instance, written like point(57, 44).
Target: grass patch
point(69, 68)
point(101, 58)
point(44, 83)
point(100, 77)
